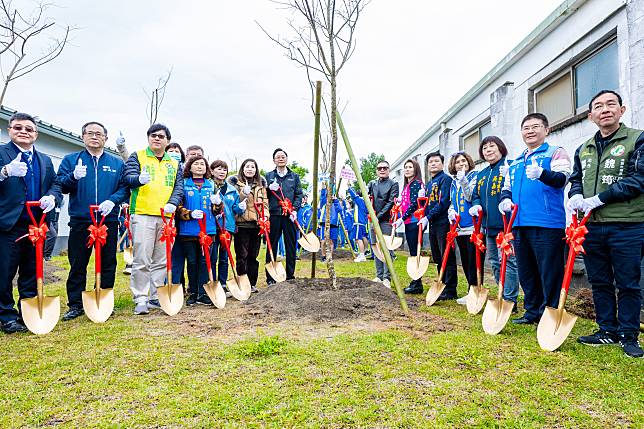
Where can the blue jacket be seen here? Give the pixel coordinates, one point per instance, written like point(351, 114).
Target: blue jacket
point(230, 198)
point(304, 216)
point(359, 208)
point(438, 192)
point(104, 181)
point(335, 206)
point(197, 199)
point(460, 203)
point(13, 190)
point(487, 194)
point(539, 204)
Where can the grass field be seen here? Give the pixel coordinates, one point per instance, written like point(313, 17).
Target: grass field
point(146, 372)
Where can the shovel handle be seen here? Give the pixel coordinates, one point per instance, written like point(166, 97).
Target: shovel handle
point(29, 205)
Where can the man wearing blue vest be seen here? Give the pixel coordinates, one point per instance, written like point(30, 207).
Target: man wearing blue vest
point(90, 177)
point(608, 178)
point(25, 175)
point(536, 181)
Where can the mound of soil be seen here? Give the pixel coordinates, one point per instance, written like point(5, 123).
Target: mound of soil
point(338, 254)
point(49, 270)
point(582, 304)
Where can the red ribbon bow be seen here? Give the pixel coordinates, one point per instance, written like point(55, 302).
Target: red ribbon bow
point(264, 226)
point(503, 242)
point(575, 236)
point(287, 206)
point(37, 233)
point(168, 232)
point(224, 238)
point(419, 213)
point(204, 239)
point(97, 233)
point(394, 213)
point(451, 237)
point(477, 239)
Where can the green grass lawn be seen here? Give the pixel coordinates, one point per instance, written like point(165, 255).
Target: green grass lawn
point(139, 372)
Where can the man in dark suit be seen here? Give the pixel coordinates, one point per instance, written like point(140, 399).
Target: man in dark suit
point(25, 175)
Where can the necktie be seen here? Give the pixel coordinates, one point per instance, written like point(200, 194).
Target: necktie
point(26, 157)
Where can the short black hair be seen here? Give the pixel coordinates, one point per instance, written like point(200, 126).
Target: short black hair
point(537, 115)
point(381, 161)
point(433, 154)
point(602, 92)
point(279, 149)
point(497, 141)
point(159, 127)
point(19, 116)
point(93, 123)
point(174, 145)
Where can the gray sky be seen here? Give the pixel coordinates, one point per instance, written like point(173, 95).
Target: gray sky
point(232, 90)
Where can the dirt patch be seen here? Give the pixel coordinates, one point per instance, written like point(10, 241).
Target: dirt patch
point(582, 304)
point(338, 254)
point(50, 270)
point(310, 308)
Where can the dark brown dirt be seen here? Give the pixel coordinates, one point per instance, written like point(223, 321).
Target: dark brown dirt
point(338, 254)
point(582, 304)
point(50, 276)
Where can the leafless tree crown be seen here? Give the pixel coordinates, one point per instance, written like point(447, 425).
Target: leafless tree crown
point(156, 96)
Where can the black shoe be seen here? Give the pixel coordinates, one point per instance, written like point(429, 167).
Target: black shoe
point(73, 313)
point(523, 321)
point(630, 346)
point(204, 300)
point(192, 300)
point(253, 289)
point(270, 282)
point(12, 327)
point(414, 288)
point(446, 296)
point(515, 309)
point(599, 338)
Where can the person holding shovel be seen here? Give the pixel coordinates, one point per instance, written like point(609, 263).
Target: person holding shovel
point(359, 228)
point(156, 183)
point(248, 240)
point(90, 177)
point(536, 181)
point(608, 179)
point(25, 175)
point(283, 183)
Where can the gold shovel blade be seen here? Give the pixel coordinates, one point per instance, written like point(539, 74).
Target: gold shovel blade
point(170, 298)
point(416, 267)
point(216, 294)
point(276, 271)
point(310, 242)
point(128, 256)
point(554, 327)
point(393, 243)
point(434, 292)
point(37, 321)
point(496, 315)
point(476, 298)
point(98, 309)
point(239, 288)
point(378, 253)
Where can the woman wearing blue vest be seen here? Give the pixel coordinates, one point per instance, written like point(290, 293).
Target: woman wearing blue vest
point(461, 167)
point(197, 191)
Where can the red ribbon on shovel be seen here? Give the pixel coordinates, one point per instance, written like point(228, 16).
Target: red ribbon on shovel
point(477, 235)
point(168, 232)
point(97, 231)
point(285, 203)
point(576, 234)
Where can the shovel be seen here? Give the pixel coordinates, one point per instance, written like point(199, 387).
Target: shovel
point(555, 324)
point(214, 290)
point(128, 254)
point(41, 312)
point(240, 286)
point(477, 295)
point(391, 241)
point(437, 288)
point(99, 303)
point(275, 269)
point(417, 265)
point(309, 241)
point(497, 311)
point(170, 295)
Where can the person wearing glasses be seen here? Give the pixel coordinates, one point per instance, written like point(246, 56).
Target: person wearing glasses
point(608, 178)
point(536, 181)
point(384, 192)
point(26, 175)
point(90, 177)
point(156, 183)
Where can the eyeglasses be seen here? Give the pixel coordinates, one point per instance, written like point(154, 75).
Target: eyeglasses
point(382, 168)
point(158, 136)
point(95, 134)
point(20, 128)
point(531, 128)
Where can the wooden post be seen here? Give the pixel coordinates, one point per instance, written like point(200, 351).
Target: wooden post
point(316, 155)
point(372, 213)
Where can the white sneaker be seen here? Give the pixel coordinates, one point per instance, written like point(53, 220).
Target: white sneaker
point(376, 279)
point(462, 300)
point(361, 258)
point(386, 283)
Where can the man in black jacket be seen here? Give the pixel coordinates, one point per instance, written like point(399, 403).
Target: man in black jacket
point(282, 178)
point(384, 191)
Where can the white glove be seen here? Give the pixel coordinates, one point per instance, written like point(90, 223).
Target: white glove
point(120, 140)
point(80, 170)
point(504, 168)
point(169, 208)
point(293, 217)
point(16, 168)
point(533, 171)
point(144, 177)
point(196, 214)
point(505, 205)
point(451, 214)
point(274, 186)
point(423, 221)
point(105, 207)
point(575, 203)
point(590, 204)
point(47, 203)
point(215, 199)
point(460, 175)
point(246, 190)
point(474, 210)
point(242, 205)
point(421, 193)
point(397, 224)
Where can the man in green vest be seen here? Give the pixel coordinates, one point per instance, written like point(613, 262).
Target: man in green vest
point(608, 178)
point(156, 183)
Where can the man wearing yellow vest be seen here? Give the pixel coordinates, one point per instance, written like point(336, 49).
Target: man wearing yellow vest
point(156, 183)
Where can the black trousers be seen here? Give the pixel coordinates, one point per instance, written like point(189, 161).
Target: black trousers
point(247, 244)
point(79, 254)
point(283, 225)
point(197, 270)
point(16, 257)
point(437, 237)
point(468, 257)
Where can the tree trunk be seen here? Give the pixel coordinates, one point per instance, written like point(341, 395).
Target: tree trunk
point(334, 149)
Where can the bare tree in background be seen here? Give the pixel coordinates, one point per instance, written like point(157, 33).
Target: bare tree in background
point(155, 98)
point(20, 32)
point(322, 42)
